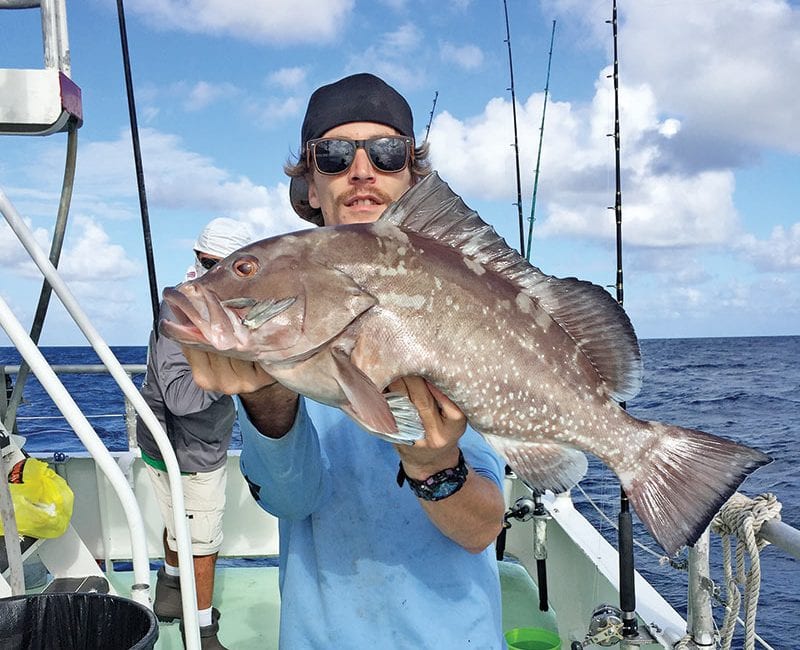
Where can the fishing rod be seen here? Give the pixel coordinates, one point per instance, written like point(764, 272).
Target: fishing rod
point(516, 140)
point(137, 157)
point(430, 117)
point(627, 589)
point(539, 153)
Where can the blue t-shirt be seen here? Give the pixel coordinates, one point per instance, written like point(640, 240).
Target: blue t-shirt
point(361, 565)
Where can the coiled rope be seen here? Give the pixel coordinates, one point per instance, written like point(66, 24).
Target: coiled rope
point(741, 518)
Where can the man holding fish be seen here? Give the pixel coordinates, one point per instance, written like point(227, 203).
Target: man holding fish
point(361, 559)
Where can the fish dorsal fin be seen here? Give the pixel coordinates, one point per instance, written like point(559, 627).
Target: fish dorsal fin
point(587, 312)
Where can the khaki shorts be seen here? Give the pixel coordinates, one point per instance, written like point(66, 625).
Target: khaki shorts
point(204, 501)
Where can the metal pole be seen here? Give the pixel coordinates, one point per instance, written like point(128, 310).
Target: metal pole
point(699, 615)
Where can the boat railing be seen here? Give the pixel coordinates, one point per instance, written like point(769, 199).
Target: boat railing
point(749, 525)
point(64, 401)
point(701, 624)
point(129, 414)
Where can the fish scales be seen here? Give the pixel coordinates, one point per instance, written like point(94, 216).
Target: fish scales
point(536, 363)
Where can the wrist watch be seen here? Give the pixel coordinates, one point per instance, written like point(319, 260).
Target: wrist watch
point(437, 486)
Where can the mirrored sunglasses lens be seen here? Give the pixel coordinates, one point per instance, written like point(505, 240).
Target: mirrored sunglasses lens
point(333, 156)
point(388, 154)
point(206, 262)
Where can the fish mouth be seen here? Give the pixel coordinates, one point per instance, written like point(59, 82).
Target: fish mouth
point(199, 319)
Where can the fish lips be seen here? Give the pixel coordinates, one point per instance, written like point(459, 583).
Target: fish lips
point(200, 320)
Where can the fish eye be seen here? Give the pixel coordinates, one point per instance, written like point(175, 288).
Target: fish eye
point(246, 266)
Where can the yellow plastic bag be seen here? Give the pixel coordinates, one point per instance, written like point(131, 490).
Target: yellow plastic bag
point(42, 501)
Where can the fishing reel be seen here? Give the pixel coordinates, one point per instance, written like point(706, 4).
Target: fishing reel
point(606, 628)
point(522, 510)
point(525, 509)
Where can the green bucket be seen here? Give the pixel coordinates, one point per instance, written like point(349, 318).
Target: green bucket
point(532, 638)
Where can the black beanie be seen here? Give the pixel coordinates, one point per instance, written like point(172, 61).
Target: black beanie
point(358, 98)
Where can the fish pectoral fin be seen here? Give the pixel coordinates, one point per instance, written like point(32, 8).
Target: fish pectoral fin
point(369, 407)
point(409, 423)
point(542, 465)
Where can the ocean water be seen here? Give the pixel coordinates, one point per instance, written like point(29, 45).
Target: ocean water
point(745, 389)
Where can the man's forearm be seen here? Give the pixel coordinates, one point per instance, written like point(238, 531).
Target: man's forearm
point(271, 409)
point(473, 516)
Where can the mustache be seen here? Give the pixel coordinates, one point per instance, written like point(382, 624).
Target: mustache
point(375, 193)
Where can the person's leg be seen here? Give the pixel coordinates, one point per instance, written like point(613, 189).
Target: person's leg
point(203, 576)
point(204, 580)
point(204, 495)
point(167, 604)
point(170, 556)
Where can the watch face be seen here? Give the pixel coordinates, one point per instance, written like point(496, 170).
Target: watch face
point(446, 488)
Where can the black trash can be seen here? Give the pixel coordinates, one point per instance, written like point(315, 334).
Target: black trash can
point(76, 621)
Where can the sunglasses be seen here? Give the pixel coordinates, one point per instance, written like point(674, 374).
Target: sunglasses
point(389, 153)
point(206, 262)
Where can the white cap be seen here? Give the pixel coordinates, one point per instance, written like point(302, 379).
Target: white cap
point(222, 236)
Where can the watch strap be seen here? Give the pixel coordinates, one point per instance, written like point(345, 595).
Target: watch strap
point(437, 486)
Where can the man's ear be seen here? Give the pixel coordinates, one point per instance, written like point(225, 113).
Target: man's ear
point(313, 198)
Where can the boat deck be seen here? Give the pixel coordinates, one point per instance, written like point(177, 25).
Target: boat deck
point(249, 602)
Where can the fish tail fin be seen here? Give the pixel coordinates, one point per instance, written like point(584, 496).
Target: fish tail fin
point(684, 480)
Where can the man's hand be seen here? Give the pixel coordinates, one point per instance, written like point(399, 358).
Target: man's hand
point(473, 516)
point(270, 406)
point(444, 425)
point(227, 375)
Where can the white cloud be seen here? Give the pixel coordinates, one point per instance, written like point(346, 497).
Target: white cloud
point(468, 57)
point(306, 21)
point(393, 58)
point(725, 64)
point(404, 39)
point(204, 93)
point(177, 179)
point(780, 252)
point(663, 205)
point(15, 258)
point(89, 256)
point(267, 113)
point(289, 77)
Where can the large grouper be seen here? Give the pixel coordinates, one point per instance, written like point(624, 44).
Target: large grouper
point(538, 364)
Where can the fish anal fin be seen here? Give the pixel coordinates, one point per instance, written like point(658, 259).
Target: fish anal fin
point(684, 481)
point(542, 465)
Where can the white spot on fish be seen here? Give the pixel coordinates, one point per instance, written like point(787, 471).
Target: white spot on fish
point(404, 300)
point(542, 319)
point(524, 303)
point(389, 271)
point(473, 266)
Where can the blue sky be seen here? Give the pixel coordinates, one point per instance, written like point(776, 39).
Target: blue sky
point(710, 144)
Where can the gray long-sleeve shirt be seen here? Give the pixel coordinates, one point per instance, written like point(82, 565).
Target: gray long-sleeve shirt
point(199, 423)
